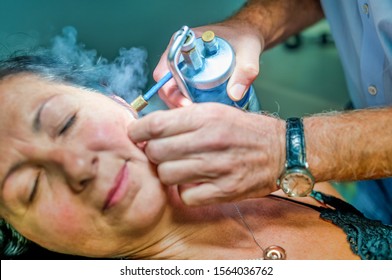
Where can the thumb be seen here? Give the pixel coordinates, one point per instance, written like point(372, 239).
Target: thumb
point(245, 72)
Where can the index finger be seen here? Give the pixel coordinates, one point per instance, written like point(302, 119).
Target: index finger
point(161, 124)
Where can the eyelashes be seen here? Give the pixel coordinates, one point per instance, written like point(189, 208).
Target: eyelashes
point(35, 188)
point(67, 125)
point(63, 131)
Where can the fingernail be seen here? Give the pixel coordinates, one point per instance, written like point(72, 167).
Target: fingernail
point(237, 91)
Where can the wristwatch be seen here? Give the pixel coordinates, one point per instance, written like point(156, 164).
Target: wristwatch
point(296, 179)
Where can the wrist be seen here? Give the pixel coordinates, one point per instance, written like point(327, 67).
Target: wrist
point(321, 160)
point(277, 148)
point(296, 179)
point(275, 21)
point(252, 19)
point(272, 146)
point(242, 26)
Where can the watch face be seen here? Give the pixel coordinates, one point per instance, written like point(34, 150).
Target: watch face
point(297, 184)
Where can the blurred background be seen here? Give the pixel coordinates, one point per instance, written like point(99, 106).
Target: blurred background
point(300, 77)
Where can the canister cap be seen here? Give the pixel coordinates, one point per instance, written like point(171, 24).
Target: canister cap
point(217, 65)
point(208, 36)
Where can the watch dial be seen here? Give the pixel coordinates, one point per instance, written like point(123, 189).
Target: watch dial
point(297, 185)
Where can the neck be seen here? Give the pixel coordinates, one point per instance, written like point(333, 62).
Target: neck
point(218, 232)
point(208, 232)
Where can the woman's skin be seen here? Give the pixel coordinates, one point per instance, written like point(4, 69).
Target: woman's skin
point(73, 143)
point(62, 151)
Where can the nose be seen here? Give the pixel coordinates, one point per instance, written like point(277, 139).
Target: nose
point(79, 168)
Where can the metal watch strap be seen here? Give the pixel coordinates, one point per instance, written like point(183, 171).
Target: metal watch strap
point(295, 144)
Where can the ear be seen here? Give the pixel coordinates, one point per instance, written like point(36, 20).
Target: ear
point(122, 102)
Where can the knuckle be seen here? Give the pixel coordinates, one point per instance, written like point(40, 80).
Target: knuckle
point(164, 175)
point(250, 70)
point(230, 190)
point(218, 141)
point(173, 94)
point(153, 152)
point(155, 126)
point(208, 113)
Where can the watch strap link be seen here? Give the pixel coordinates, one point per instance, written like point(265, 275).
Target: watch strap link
point(295, 144)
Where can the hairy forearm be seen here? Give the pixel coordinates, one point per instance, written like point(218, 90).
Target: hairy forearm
point(350, 146)
point(276, 20)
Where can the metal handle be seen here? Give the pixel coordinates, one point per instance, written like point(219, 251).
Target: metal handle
point(172, 57)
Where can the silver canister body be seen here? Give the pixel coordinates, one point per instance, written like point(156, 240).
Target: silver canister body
point(209, 62)
point(202, 68)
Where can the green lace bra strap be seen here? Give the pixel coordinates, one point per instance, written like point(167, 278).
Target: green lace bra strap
point(369, 239)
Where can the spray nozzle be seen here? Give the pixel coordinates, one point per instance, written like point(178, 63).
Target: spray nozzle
point(142, 100)
point(183, 38)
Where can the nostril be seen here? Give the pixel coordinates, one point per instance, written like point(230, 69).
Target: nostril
point(84, 183)
point(79, 186)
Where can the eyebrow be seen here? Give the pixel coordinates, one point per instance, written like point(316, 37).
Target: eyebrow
point(37, 117)
point(36, 128)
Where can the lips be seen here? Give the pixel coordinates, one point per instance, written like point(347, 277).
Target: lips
point(117, 191)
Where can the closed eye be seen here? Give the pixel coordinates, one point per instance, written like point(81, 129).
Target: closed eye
point(68, 124)
point(35, 187)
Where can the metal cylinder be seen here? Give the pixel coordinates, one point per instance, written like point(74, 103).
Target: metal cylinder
point(208, 82)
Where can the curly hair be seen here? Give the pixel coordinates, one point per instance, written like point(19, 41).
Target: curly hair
point(12, 243)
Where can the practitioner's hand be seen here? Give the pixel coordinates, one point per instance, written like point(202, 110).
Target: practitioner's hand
point(248, 45)
point(214, 152)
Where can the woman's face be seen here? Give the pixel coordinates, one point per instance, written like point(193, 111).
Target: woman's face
point(70, 178)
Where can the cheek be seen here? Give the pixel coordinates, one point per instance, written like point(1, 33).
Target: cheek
point(65, 218)
point(62, 225)
point(105, 134)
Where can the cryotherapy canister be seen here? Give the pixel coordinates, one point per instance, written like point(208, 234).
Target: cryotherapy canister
point(208, 63)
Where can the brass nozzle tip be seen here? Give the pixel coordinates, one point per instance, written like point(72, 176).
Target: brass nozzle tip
point(208, 36)
point(139, 103)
